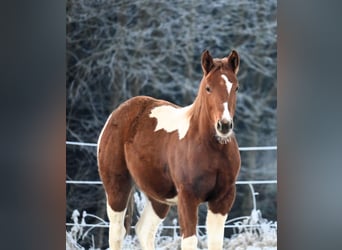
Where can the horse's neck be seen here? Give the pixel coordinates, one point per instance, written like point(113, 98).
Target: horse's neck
point(199, 122)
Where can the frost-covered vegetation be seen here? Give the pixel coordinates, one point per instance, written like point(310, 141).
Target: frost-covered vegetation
point(250, 232)
point(120, 49)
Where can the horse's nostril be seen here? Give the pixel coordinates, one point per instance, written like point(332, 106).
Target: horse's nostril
point(219, 126)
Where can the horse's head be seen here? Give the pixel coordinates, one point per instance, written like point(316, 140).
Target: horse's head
point(218, 91)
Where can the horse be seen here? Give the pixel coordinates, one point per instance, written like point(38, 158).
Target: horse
point(175, 155)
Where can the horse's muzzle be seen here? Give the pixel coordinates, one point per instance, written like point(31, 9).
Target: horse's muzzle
point(224, 126)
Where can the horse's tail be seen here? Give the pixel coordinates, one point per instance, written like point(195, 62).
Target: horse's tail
point(129, 211)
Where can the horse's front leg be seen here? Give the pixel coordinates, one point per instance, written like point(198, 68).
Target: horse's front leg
point(215, 230)
point(216, 218)
point(187, 213)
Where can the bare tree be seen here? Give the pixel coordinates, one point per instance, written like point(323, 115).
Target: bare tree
point(120, 49)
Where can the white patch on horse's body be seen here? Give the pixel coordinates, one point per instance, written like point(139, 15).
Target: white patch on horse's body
point(117, 229)
point(189, 243)
point(104, 127)
point(172, 201)
point(171, 119)
point(215, 229)
point(147, 226)
point(228, 83)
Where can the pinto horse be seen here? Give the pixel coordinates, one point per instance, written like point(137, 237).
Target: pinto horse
point(175, 155)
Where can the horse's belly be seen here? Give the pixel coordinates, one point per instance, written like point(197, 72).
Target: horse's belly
point(149, 172)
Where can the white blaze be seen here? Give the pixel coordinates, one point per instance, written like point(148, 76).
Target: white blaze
point(226, 114)
point(228, 83)
point(171, 119)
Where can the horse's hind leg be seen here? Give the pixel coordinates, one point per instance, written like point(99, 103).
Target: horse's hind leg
point(116, 179)
point(146, 228)
point(116, 211)
point(116, 227)
point(117, 183)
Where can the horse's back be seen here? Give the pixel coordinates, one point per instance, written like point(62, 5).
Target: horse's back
point(124, 123)
point(122, 120)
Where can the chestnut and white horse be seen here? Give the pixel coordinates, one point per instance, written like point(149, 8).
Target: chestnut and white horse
point(175, 155)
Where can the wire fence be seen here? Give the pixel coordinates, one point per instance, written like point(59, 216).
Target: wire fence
point(260, 148)
point(229, 223)
point(106, 224)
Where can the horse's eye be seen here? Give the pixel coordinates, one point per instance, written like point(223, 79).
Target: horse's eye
point(208, 89)
point(237, 88)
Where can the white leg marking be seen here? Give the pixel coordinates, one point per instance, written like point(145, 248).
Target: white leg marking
point(117, 229)
point(215, 230)
point(147, 226)
point(171, 119)
point(228, 83)
point(189, 243)
point(99, 140)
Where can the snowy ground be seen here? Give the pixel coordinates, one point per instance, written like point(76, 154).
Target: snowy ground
point(238, 242)
point(243, 241)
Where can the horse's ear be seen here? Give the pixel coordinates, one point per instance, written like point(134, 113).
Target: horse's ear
point(234, 61)
point(207, 62)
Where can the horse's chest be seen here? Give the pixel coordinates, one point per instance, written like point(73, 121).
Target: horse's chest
point(201, 173)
